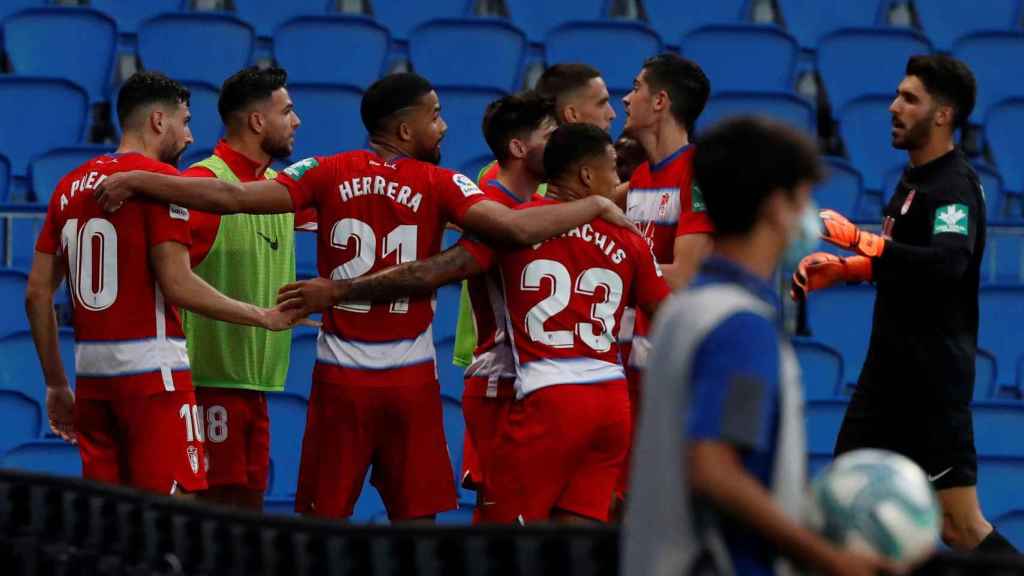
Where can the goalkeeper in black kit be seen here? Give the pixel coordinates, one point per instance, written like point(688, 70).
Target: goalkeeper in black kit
point(914, 391)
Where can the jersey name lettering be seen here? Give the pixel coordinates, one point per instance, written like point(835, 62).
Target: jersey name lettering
point(380, 186)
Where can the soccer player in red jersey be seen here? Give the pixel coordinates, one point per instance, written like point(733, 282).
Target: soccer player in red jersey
point(375, 395)
point(134, 414)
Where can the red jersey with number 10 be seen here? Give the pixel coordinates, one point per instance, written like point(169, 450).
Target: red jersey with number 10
point(373, 214)
point(564, 299)
point(128, 339)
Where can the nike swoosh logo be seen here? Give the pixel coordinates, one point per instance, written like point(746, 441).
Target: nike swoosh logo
point(940, 474)
point(273, 243)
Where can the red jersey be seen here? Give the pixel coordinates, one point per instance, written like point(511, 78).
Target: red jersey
point(373, 214)
point(128, 339)
point(492, 358)
point(565, 298)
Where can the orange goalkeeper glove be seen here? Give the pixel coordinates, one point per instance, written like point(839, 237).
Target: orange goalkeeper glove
point(822, 270)
point(845, 234)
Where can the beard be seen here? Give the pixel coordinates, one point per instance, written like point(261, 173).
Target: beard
point(171, 153)
point(914, 136)
point(535, 164)
point(277, 148)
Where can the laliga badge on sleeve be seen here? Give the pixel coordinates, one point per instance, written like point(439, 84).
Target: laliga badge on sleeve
point(907, 203)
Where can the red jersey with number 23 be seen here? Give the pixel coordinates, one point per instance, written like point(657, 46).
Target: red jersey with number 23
point(564, 299)
point(128, 339)
point(373, 214)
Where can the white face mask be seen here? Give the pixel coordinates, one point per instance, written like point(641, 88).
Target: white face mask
point(804, 236)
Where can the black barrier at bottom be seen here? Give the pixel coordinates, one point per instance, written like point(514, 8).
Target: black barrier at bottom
point(69, 527)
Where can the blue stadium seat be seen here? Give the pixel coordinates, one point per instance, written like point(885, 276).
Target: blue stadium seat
point(206, 124)
point(300, 368)
point(821, 368)
point(267, 15)
point(866, 128)
point(279, 506)
point(538, 19)
point(997, 428)
point(5, 178)
point(599, 43)
point(337, 126)
point(66, 30)
point(672, 23)
point(620, 111)
point(450, 237)
point(946, 20)
point(1011, 526)
point(824, 418)
point(305, 254)
point(446, 316)
point(1003, 261)
point(46, 171)
point(24, 233)
point(461, 516)
point(12, 293)
point(449, 375)
point(841, 318)
point(810, 20)
point(130, 14)
point(1001, 314)
point(1002, 130)
point(369, 506)
point(990, 55)
point(768, 63)
point(842, 188)
point(20, 370)
point(39, 114)
point(476, 52)
point(454, 433)
point(295, 40)
point(183, 46)
point(287, 423)
point(462, 109)
point(999, 482)
point(781, 106)
point(992, 184)
point(403, 16)
point(858, 61)
point(8, 7)
point(20, 419)
point(985, 376)
point(55, 457)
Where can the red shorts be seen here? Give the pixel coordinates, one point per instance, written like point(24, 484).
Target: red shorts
point(561, 448)
point(150, 442)
point(634, 377)
point(396, 428)
point(483, 415)
point(237, 437)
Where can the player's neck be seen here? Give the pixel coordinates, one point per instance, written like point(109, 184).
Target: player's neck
point(562, 193)
point(250, 149)
point(135, 144)
point(519, 181)
point(387, 150)
point(754, 254)
point(936, 148)
point(663, 140)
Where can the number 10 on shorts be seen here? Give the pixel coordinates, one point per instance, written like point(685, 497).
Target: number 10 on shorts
point(216, 423)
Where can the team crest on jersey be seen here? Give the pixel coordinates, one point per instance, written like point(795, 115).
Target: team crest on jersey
point(951, 219)
point(178, 213)
point(298, 169)
point(697, 199)
point(468, 187)
point(193, 458)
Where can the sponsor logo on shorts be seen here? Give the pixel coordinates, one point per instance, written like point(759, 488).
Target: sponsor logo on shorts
point(468, 187)
point(298, 169)
point(178, 213)
point(193, 458)
point(951, 219)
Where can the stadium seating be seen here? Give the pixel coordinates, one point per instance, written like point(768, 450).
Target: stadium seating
point(337, 126)
point(984, 376)
point(5, 179)
point(473, 166)
point(990, 55)
point(403, 16)
point(296, 40)
point(22, 419)
point(446, 315)
point(1011, 526)
point(858, 61)
point(66, 30)
point(39, 114)
point(305, 254)
point(1003, 262)
point(206, 124)
point(992, 184)
point(999, 482)
point(768, 64)
point(996, 426)
point(821, 368)
point(599, 43)
point(462, 109)
point(20, 370)
point(477, 52)
point(47, 170)
point(12, 292)
point(196, 47)
point(842, 188)
point(620, 111)
point(369, 505)
point(1001, 314)
point(24, 233)
point(8, 7)
point(538, 19)
point(946, 20)
point(841, 318)
point(824, 418)
point(1003, 127)
point(300, 368)
point(810, 20)
point(866, 128)
point(672, 23)
point(287, 423)
point(782, 106)
point(454, 431)
point(55, 457)
point(267, 15)
point(130, 15)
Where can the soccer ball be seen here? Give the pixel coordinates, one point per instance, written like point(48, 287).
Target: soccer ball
point(876, 501)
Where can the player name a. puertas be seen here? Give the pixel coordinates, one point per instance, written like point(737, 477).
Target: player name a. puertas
point(602, 241)
point(380, 186)
point(87, 182)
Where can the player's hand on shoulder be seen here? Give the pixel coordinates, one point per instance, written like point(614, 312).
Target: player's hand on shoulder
point(114, 190)
point(60, 407)
point(611, 213)
point(309, 296)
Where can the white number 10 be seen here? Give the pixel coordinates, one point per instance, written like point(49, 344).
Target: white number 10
point(91, 292)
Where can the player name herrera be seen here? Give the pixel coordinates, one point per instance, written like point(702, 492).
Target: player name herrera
point(602, 241)
point(380, 186)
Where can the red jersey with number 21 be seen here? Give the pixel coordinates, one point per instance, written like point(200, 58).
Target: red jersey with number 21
point(373, 214)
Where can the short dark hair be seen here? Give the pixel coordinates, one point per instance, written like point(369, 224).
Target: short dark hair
point(390, 94)
point(571, 144)
point(948, 80)
point(248, 85)
point(145, 88)
point(739, 163)
point(684, 81)
point(514, 116)
point(561, 79)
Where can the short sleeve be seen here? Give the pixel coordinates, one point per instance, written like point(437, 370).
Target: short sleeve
point(457, 194)
point(649, 287)
point(49, 237)
point(304, 180)
point(955, 212)
point(482, 253)
point(203, 225)
point(693, 215)
point(735, 383)
point(166, 223)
